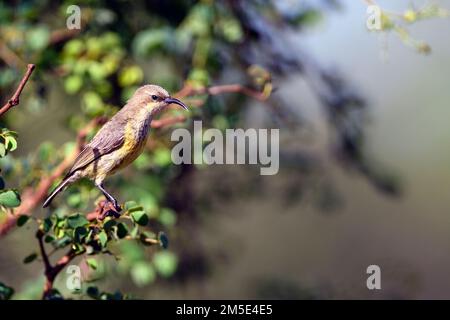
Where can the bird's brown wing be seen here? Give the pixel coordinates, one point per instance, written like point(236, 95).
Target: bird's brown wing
point(105, 141)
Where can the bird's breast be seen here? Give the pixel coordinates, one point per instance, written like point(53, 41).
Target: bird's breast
point(135, 137)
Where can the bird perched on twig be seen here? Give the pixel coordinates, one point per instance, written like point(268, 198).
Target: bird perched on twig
point(119, 142)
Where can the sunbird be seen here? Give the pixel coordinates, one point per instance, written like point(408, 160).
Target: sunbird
point(119, 142)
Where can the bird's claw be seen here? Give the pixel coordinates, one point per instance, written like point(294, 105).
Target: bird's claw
point(117, 207)
point(110, 209)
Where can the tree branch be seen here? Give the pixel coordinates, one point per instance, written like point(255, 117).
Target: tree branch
point(14, 101)
point(50, 271)
point(10, 57)
point(32, 197)
point(188, 91)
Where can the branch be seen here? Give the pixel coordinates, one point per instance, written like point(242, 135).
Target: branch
point(32, 197)
point(50, 271)
point(10, 57)
point(62, 35)
point(14, 101)
point(189, 91)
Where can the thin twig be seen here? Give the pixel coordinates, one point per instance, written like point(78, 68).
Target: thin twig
point(10, 57)
point(14, 101)
point(51, 272)
point(188, 91)
point(40, 236)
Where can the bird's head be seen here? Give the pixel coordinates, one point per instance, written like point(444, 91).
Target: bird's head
point(154, 99)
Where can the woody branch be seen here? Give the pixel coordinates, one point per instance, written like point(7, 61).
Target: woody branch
point(51, 271)
point(14, 100)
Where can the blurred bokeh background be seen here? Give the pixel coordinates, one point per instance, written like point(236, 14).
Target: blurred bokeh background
point(364, 139)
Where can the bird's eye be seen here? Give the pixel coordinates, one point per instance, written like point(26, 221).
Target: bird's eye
point(154, 97)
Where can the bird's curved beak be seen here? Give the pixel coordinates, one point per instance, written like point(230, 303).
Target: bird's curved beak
point(176, 101)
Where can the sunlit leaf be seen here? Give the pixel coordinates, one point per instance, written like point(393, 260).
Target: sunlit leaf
point(10, 198)
point(140, 217)
point(103, 237)
point(142, 273)
point(77, 221)
point(92, 263)
point(165, 263)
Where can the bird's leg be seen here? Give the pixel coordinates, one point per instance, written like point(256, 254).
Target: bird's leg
point(109, 197)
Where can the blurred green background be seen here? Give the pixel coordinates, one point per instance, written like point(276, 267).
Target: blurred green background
point(363, 145)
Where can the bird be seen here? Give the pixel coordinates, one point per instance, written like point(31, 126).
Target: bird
point(119, 142)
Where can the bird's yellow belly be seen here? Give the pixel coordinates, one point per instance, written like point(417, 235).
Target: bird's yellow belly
point(130, 153)
point(134, 142)
point(133, 146)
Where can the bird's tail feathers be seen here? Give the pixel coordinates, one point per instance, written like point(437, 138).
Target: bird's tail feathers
point(55, 192)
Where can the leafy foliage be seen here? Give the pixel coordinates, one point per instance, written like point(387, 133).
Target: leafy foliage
point(199, 43)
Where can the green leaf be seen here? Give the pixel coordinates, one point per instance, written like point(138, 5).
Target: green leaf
point(74, 47)
point(79, 233)
point(97, 71)
point(107, 225)
point(103, 237)
point(74, 200)
point(37, 38)
point(149, 40)
point(165, 263)
point(49, 238)
point(93, 292)
point(77, 221)
point(130, 205)
point(22, 220)
point(47, 225)
point(92, 263)
point(10, 198)
point(131, 252)
point(30, 258)
point(163, 240)
point(130, 75)
point(167, 217)
point(78, 248)
point(149, 234)
point(122, 231)
point(54, 294)
point(5, 292)
point(134, 232)
point(93, 104)
point(10, 143)
point(162, 157)
point(63, 241)
point(140, 217)
point(45, 152)
point(2, 150)
point(142, 273)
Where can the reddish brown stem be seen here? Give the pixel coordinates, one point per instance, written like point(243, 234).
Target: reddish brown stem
point(50, 271)
point(14, 101)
